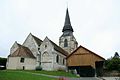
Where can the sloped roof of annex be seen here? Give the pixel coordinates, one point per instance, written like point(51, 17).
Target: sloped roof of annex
point(22, 51)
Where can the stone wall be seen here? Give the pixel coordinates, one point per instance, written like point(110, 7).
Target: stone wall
point(46, 49)
point(72, 43)
point(107, 73)
point(14, 48)
point(14, 63)
point(59, 65)
point(48, 57)
point(31, 44)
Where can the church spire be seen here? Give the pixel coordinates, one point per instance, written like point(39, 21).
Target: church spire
point(67, 24)
point(67, 40)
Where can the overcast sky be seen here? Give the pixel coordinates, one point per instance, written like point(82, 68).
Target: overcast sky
point(96, 23)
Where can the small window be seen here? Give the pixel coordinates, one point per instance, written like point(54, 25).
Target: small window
point(65, 43)
point(57, 58)
point(38, 49)
point(22, 60)
point(45, 46)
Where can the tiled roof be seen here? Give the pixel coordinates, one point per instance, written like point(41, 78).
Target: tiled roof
point(59, 49)
point(22, 51)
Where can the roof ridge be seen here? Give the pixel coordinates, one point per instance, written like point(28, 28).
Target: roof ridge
point(17, 43)
point(36, 37)
point(37, 40)
point(60, 49)
point(86, 49)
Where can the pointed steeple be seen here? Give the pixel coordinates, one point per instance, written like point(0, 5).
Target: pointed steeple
point(67, 24)
point(67, 18)
point(67, 40)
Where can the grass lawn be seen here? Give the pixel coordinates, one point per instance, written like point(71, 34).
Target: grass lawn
point(16, 75)
point(55, 73)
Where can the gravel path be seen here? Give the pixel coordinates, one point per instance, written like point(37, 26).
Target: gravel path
point(66, 78)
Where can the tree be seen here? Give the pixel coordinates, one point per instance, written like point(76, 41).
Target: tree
point(113, 63)
point(116, 55)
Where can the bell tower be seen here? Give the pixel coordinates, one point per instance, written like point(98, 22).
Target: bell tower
point(67, 40)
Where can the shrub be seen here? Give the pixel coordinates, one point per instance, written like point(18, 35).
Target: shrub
point(113, 64)
point(61, 69)
point(38, 68)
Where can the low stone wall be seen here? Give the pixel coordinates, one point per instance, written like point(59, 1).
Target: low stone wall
point(107, 73)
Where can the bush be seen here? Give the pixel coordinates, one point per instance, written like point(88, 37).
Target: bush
point(60, 69)
point(38, 68)
point(113, 64)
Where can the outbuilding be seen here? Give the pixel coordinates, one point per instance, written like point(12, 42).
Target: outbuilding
point(85, 62)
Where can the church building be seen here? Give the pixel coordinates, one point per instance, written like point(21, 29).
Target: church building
point(35, 52)
point(44, 53)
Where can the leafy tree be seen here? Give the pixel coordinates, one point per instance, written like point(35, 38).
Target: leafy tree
point(113, 63)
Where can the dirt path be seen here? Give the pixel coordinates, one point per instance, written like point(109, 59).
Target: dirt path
point(66, 78)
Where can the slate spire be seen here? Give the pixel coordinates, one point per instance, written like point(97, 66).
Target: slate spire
point(67, 24)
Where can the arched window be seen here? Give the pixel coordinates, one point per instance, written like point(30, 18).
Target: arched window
point(57, 58)
point(65, 43)
point(45, 54)
point(45, 57)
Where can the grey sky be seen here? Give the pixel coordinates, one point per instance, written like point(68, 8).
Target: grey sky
point(96, 23)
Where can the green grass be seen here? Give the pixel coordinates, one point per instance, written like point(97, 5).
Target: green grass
point(27, 75)
point(55, 73)
point(17, 75)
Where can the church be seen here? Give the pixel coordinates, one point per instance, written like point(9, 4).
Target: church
point(45, 53)
point(35, 52)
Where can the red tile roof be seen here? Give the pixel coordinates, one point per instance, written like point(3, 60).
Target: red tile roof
point(22, 51)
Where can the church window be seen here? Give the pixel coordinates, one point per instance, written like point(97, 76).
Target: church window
point(45, 57)
point(22, 60)
point(45, 54)
point(57, 58)
point(65, 43)
point(45, 46)
point(38, 49)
